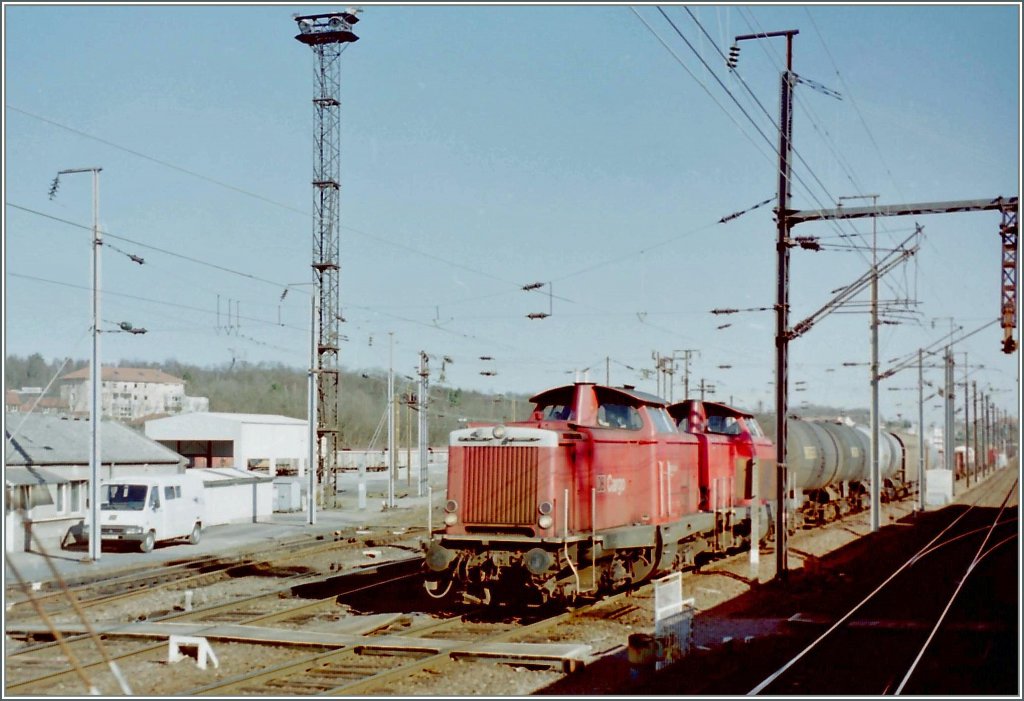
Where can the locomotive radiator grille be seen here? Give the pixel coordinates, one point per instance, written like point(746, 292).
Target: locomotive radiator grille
point(501, 485)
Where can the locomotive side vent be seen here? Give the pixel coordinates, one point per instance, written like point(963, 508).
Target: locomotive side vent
point(501, 485)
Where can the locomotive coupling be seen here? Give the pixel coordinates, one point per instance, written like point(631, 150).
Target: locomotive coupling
point(438, 557)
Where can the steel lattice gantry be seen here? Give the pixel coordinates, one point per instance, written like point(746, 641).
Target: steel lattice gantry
point(1008, 318)
point(1008, 206)
point(327, 35)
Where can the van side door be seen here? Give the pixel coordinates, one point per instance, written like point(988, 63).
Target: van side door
point(157, 512)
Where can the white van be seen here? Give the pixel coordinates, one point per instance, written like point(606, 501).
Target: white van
point(152, 508)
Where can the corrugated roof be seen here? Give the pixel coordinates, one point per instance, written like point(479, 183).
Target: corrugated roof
point(253, 418)
point(21, 476)
point(44, 439)
point(114, 374)
point(224, 476)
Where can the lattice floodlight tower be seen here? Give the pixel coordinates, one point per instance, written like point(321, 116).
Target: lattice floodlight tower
point(327, 35)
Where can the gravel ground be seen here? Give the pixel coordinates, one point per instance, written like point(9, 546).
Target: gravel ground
point(730, 603)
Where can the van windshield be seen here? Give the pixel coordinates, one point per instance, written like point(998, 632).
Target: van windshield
point(124, 497)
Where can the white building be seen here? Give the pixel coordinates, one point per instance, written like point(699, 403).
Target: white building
point(47, 471)
point(129, 394)
point(258, 442)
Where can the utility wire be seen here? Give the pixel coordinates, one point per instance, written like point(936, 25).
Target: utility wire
point(152, 301)
point(746, 114)
point(703, 86)
point(849, 93)
point(835, 224)
point(166, 164)
point(469, 268)
point(190, 259)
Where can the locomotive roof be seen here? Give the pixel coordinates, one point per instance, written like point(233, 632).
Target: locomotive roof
point(718, 409)
point(634, 395)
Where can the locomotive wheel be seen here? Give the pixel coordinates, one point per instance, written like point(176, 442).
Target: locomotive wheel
point(641, 564)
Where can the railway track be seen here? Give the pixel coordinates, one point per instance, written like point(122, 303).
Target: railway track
point(934, 611)
point(43, 668)
point(270, 644)
point(99, 590)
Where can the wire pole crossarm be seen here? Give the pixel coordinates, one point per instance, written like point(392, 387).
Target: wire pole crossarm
point(860, 284)
point(898, 210)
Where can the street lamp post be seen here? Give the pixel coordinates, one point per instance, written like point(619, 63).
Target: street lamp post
point(312, 461)
point(391, 420)
point(95, 374)
point(313, 449)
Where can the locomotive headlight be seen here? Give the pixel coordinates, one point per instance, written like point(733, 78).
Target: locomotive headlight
point(498, 432)
point(545, 508)
point(451, 506)
point(451, 519)
point(545, 521)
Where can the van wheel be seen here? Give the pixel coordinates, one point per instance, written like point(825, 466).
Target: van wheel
point(196, 533)
point(147, 543)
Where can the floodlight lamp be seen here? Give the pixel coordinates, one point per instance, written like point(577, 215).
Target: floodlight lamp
point(305, 26)
point(336, 24)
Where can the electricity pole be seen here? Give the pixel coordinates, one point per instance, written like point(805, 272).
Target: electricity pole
point(95, 369)
point(920, 429)
point(391, 420)
point(422, 424)
point(876, 502)
point(686, 368)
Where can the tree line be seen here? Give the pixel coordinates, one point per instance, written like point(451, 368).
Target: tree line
point(269, 388)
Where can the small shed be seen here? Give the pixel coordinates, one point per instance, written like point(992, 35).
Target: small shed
point(264, 442)
point(236, 496)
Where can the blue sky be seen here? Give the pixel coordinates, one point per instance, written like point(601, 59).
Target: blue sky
point(488, 147)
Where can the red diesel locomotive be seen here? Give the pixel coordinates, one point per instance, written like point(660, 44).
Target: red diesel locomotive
point(601, 488)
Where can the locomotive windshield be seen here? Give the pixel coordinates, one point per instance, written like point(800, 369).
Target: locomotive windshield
point(754, 428)
point(619, 416)
point(556, 412)
point(727, 425)
point(662, 421)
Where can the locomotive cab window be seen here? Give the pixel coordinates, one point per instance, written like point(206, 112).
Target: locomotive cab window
point(723, 424)
point(619, 416)
point(556, 412)
point(662, 421)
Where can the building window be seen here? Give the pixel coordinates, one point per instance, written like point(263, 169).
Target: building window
point(62, 501)
point(76, 496)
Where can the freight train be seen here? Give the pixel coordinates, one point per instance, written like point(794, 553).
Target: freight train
point(606, 487)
